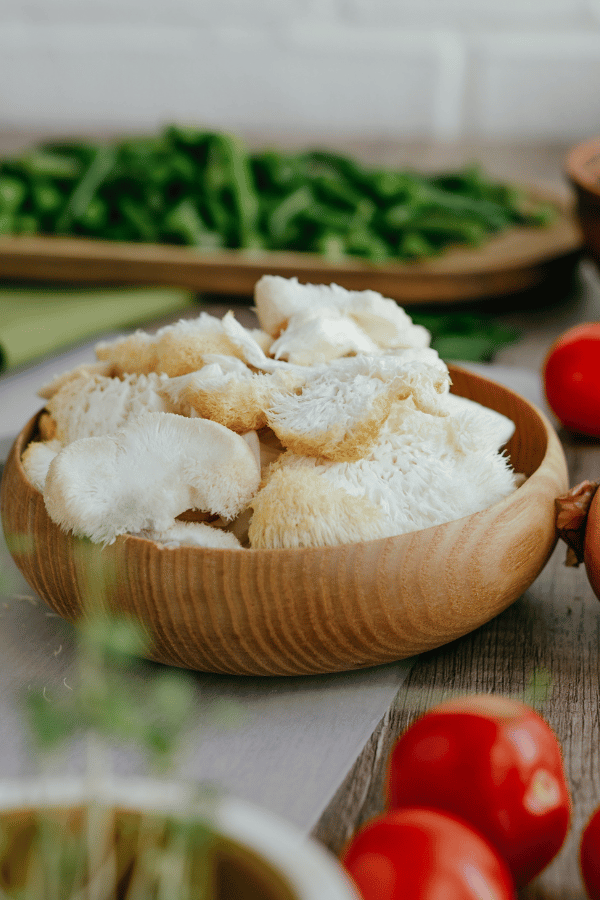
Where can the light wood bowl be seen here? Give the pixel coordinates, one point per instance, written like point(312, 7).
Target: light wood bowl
point(289, 612)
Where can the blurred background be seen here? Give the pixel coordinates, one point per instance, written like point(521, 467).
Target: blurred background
point(446, 70)
point(423, 84)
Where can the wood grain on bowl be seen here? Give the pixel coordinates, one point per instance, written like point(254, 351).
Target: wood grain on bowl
point(288, 612)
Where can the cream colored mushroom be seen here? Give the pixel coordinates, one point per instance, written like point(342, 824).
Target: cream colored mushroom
point(316, 336)
point(279, 299)
point(36, 461)
point(175, 349)
point(89, 405)
point(248, 347)
point(233, 395)
point(342, 407)
point(145, 475)
point(410, 480)
point(135, 353)
point(51, 387)
point(193, 534)
point(474, 424)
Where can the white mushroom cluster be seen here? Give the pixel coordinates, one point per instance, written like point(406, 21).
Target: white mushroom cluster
point(331, 423)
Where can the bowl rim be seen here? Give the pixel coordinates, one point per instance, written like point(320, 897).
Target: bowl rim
point(577, 165)
point(311, 870)
point(521, 491)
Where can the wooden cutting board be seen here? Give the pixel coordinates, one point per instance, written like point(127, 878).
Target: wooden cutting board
point(517, 260)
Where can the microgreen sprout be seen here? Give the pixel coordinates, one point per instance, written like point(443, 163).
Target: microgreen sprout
point(97, 852)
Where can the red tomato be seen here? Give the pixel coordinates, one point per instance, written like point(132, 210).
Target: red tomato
point(589, 856)
point(572, 379)
point(422, 854)
point(494, 763)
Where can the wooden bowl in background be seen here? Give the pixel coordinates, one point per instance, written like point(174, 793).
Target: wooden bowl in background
point(583, 171)
point(289, 612)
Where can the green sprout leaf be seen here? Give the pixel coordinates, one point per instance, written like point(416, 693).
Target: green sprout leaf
point(117, 640)
point(538, 689)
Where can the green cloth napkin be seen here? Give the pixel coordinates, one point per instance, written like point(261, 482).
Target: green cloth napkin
point(36, 322)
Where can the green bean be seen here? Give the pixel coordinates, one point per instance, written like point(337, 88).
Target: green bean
point(50, 164)
point(46, 197)
point(7, 223)
point(365, 242)
point(280, 217)
point(12, 193)
point(101, 164)
point(413, 245)
point(444, 228)
point(94, 221)
point(275, 172)
point(138, 218)
point(184, 222)
point(205, 189)
point(25, 224)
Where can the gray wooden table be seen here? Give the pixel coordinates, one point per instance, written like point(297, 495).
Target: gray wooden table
point(553, 628)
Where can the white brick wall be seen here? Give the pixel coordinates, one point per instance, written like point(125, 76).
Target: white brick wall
point(409, 68)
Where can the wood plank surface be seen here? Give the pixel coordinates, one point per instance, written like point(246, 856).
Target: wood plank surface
point(553, 629)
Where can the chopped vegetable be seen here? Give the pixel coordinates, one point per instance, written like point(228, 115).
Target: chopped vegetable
point(207, 190)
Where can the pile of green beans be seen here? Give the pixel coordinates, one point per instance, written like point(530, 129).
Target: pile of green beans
point(207, 190)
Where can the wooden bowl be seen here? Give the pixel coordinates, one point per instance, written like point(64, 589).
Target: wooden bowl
point(289, 612)
point(583, 170)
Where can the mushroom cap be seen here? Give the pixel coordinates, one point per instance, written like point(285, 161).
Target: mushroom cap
point(36, 461)
point(412, 478)
point(315, 336)
point(279, 299)
point(145, 475)
point(340, 410)
point(89, 405)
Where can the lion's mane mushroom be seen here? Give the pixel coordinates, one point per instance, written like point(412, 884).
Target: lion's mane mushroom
point(279, 300)
point(317, 336)
point(340, 411)
point(50, 388)
point(36, 461)
point(144, 476)
point(227, 391)
point(412, 479)
point(193, 534)
point(174, 349)
point(472, 426)
point(90, 405)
